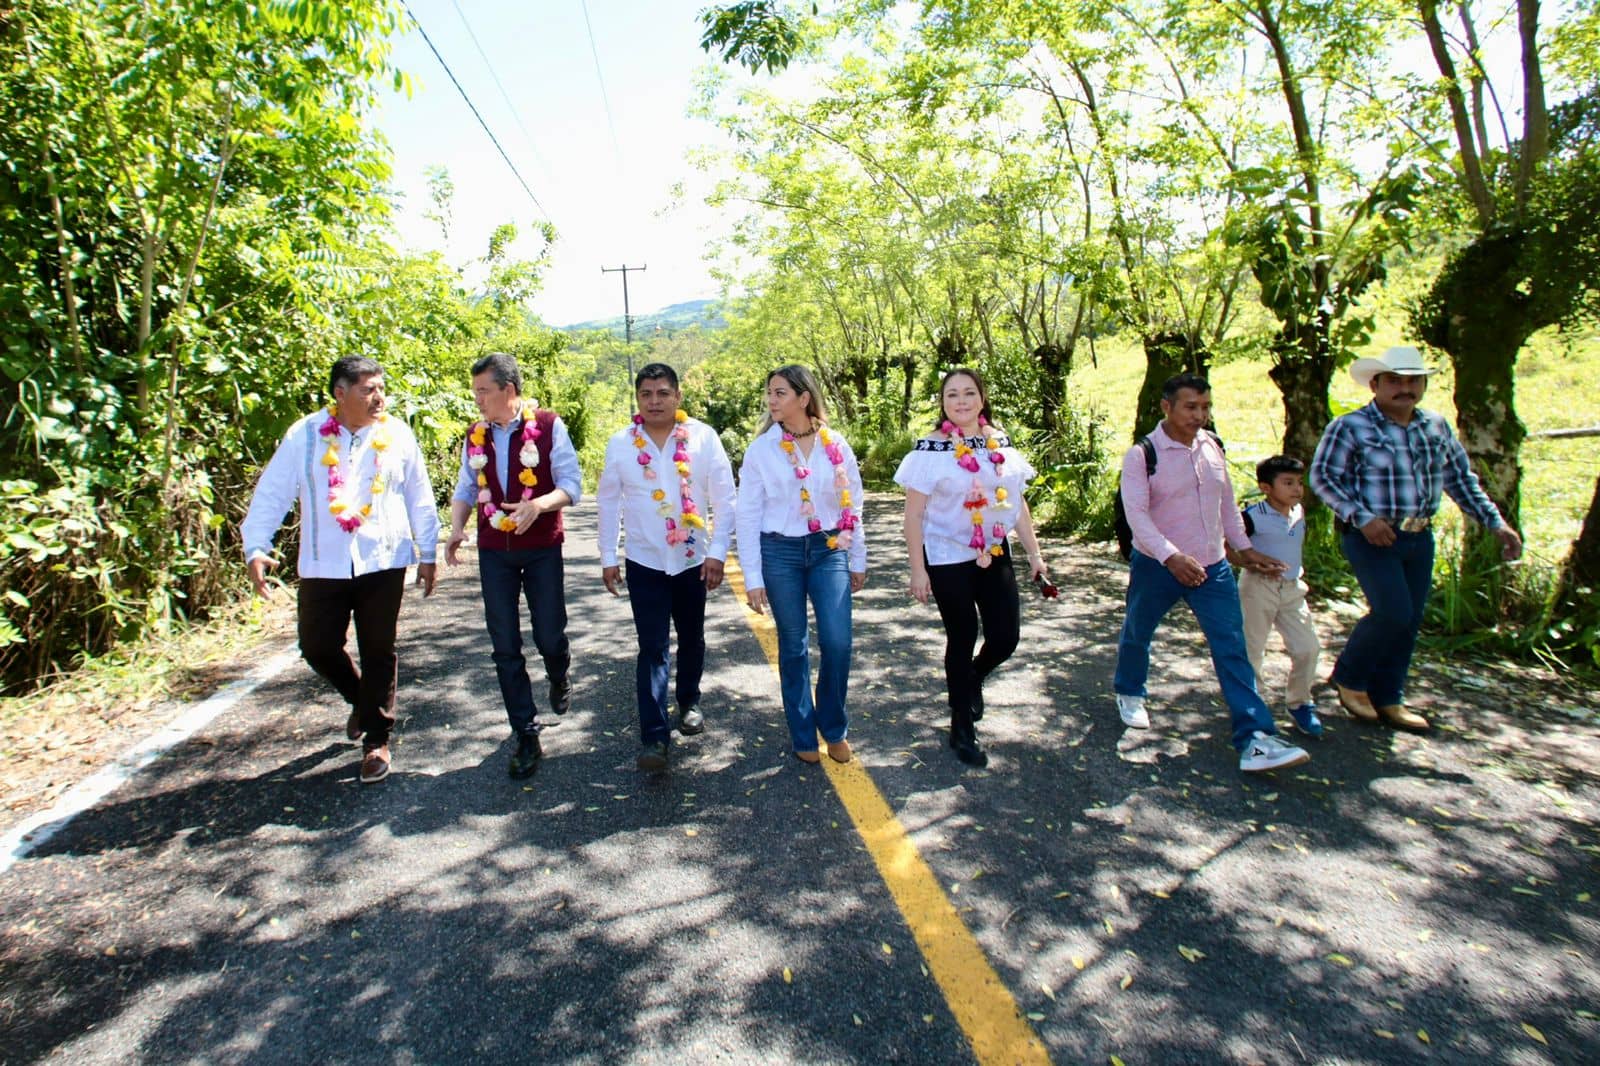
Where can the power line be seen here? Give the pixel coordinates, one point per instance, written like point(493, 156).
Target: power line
point(474, 109)
point(515, 115)
point(616, 145)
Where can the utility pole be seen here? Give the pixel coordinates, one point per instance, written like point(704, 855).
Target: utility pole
point(627, 317)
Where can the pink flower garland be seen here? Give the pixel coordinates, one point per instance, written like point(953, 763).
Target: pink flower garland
point(348, 516)
point(976, 501)
point(478, 458)
point(848, 519)
point(680, 528)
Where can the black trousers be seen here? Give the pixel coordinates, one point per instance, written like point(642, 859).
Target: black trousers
point(970, 596)
point(538, 577)
point(326, 607)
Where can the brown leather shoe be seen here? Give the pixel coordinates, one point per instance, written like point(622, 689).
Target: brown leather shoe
point(375, 765)
point(352, 725)
point(1356, 704)
point(808, 757)
point(839, 750)
point(1399, 716)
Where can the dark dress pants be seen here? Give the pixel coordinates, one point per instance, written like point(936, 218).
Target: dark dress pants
point(538, 576)
point(659, 601)
point(1396, 580)
point(326, 606)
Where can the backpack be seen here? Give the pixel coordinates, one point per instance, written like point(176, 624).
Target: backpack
point(1120, 512)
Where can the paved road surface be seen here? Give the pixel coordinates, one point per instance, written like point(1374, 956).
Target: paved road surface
point(246, 900)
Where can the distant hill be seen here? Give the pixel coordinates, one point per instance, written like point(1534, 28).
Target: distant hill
point(703, 313)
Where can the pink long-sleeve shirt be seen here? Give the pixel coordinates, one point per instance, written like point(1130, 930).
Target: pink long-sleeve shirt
point(1187, 506)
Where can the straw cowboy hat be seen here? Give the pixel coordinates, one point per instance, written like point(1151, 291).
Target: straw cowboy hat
point(1402, 359)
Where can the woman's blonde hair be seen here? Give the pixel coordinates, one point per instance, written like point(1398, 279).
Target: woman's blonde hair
point(800, 379)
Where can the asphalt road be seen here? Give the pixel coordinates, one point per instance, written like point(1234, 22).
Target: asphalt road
point(246, 900)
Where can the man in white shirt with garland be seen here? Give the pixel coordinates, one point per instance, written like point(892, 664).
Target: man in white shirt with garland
point(366, 513)
point(661, 475)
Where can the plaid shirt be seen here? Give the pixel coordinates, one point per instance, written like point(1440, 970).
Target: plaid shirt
point(1368, 466)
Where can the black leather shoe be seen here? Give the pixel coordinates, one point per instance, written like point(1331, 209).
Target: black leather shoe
point(526, 759)
point(691, 721)
point(653, 756)
point(967, 751)
point(561, 694)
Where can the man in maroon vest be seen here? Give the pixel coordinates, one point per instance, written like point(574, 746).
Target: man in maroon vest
point(518, 470)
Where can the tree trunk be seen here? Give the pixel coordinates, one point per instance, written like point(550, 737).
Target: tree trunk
point(1477, 313)
point(1580, 574)
point(1302, 368)
point(1165, 355)
point(1055, 362)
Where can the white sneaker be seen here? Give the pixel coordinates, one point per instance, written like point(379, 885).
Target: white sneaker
point(1132, 710)
point(1266, 752)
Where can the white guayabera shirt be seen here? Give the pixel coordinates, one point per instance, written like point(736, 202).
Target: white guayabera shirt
point(402, 529)
point(624, 497)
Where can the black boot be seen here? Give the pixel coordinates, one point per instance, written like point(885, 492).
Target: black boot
point(964, 739)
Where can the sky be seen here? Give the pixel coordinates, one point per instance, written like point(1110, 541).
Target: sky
point(607, 184)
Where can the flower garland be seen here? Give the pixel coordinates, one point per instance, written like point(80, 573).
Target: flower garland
point(478, 458)
point(344, 510)
point(679, 528)
point(848, 520)
point(976, 501)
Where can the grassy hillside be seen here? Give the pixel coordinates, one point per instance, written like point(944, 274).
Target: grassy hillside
point(1558, 386)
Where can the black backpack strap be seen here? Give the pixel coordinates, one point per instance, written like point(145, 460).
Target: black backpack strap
point(1149, 448)
point(1249, 523)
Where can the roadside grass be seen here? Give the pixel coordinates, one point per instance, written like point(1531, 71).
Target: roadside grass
point(73, 710)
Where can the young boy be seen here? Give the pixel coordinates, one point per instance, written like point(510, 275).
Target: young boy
point(1277, 527)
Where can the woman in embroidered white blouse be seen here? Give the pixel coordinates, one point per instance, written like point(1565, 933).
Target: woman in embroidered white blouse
point(799, 535)
point(963, 487)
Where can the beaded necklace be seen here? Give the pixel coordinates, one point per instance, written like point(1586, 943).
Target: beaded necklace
point(680, 527)
point(344, 510)
point(848, 519)
point(478, 458)
point(991, 546)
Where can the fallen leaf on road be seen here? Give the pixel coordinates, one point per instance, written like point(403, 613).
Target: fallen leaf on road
point(1127, 979)
point(1117, 1062)
point(788, 976)
point(1062, 895)
point(691, 832)
point(1110, 929)
point(1191, 954)
point(1078, 963)
point(1531, 1031)
point(1158, 894)
point(1035, 1016)
point(1342, 960)
point(1046, 990)
point(887, 950)
point(1422, 1035)
point(1425, 936)
point(856, 1018)
point(1386, 1034)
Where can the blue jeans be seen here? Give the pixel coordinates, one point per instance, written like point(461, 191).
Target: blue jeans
point(1396, 581)
point(659, 601)
point(537, 575)
point(795, 568)
point(1152, 590)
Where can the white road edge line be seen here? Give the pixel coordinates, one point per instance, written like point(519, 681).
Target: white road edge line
point(39, 828)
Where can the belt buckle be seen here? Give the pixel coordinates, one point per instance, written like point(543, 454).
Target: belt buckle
point(1414, 524)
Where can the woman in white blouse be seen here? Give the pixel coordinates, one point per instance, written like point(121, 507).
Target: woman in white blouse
point(799, 535)
point(963, 487)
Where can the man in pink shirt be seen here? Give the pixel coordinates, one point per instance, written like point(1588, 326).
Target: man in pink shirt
point(1180, 516)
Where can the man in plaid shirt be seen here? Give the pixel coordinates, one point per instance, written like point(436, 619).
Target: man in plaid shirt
point(1382, 471)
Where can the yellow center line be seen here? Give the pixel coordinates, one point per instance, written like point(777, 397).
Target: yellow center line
point(980, 1001)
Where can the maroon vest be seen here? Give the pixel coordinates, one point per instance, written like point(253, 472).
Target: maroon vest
point(546, 530)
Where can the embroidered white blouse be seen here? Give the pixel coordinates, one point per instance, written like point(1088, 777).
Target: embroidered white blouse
point(623, 499)
point(930, 468)
point(402, 529)
point(769, 499)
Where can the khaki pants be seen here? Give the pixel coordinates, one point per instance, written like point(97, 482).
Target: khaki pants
point(1271, 603)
